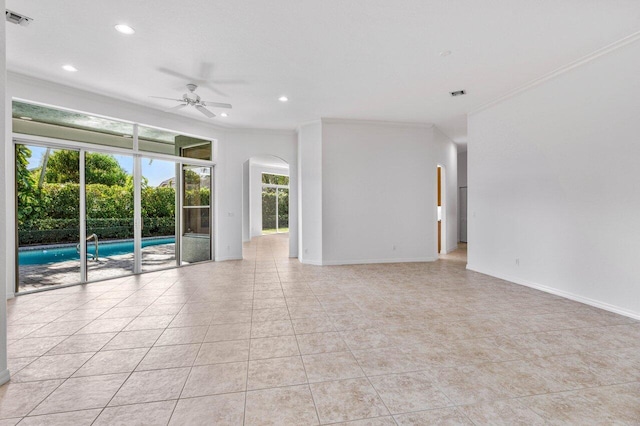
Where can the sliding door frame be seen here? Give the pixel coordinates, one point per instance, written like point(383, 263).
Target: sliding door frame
point(137, 155)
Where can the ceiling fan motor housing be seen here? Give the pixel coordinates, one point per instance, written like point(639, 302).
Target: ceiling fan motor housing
point(191, 97)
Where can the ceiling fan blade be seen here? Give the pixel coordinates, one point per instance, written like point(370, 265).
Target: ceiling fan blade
point(167, 99)
point(217, 104)
point(213, 89)
point(177, 107)
point(205, 111)
point(228, 81)
point(179, 75)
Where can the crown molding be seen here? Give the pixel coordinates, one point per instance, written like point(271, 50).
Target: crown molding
point(307, 123)
point(632, 38)
point(443, 134)
point(256, 130)
point(331, 120)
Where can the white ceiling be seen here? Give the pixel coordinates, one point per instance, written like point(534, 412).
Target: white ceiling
point(363, 59)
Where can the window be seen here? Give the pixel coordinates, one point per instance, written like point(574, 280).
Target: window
point(275, 203)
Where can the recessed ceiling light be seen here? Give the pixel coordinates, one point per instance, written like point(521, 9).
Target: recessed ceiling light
point(283, 99)
point(224, 114)
point(445, 53)
point(69, 68)
point(124, 29)
point(26, 118)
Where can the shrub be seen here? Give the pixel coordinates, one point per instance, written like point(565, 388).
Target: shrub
point(62, 231)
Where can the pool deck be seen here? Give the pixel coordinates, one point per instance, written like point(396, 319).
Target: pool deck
point(34, 277)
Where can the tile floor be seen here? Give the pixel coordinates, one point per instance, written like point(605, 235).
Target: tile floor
point(270, 341)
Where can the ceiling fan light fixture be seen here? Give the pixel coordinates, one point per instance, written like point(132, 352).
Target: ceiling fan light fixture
point(193, 99)
point(224, 114)
point(124, 29)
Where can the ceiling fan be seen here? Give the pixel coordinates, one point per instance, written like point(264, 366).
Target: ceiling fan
point(193, 99)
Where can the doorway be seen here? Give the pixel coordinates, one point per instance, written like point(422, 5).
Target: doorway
point(266, 202)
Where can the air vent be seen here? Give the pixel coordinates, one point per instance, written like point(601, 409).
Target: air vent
point(458, 93)
point(16, 18)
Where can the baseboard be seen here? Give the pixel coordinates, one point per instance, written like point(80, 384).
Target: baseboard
point(368, 261)
point(561, 293)
point(451, 249)
point(4, 376)
point(223, 258)
point(310, 262)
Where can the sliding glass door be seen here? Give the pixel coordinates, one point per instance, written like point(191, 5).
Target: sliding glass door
point(196, 214)
point(269, 211)
point(159, 197)
point(71, 202)
point(275, 203)
point(109, 215)
point(47, 216)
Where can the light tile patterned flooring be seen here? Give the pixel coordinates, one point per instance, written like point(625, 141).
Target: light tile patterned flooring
point(270, 341)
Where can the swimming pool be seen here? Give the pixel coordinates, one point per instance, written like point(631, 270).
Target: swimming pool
point(62, 254)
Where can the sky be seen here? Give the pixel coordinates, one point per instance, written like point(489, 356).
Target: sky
point(156, 171)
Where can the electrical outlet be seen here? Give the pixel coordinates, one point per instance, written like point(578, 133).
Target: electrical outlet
point(517, 261)
point(306, 251)
point(393, 247)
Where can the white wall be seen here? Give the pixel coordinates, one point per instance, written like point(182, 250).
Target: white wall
point(310, 190)
point(377, 193)
point(377, 183)
point(5, 189)
point(555, 175)
point(255, 203)
point(246, 197)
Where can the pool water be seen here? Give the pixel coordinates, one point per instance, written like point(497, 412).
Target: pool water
point(62, 254)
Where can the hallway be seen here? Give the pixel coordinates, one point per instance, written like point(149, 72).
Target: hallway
point(268, 340)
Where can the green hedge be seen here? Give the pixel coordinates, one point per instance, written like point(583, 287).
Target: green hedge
point(53, 216)
point(62, 231)
point(62, 201)
point(158, 226)
point(269, 209)
point(50, 213)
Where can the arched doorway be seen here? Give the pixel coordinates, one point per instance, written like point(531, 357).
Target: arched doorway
point(266, 205)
